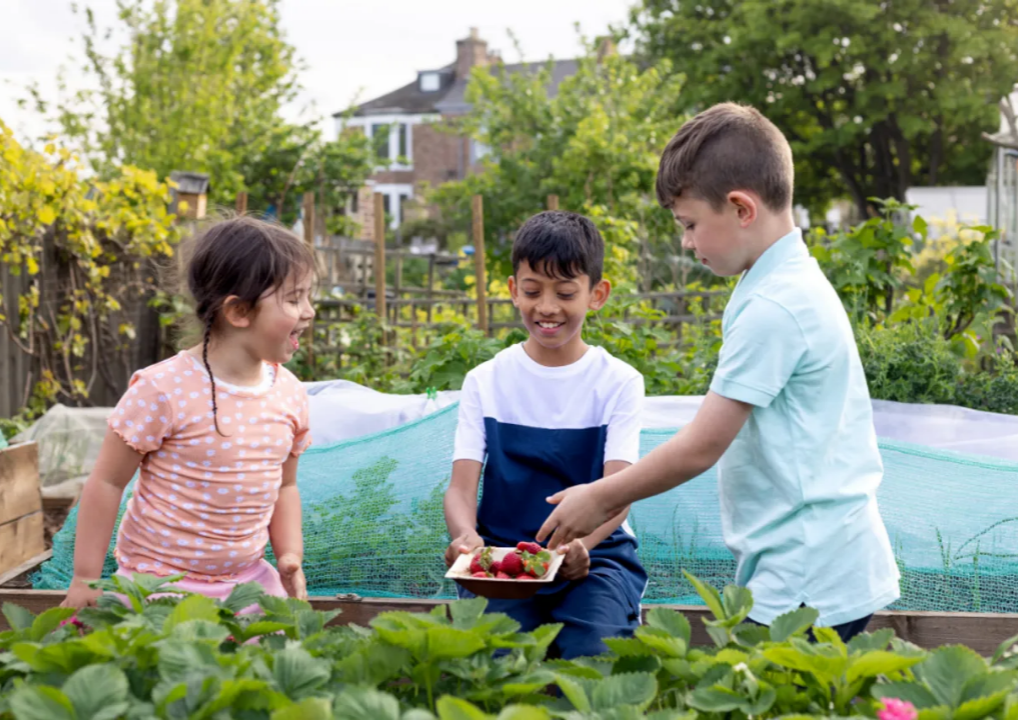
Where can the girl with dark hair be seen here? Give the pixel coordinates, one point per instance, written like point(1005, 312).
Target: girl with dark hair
point(216, 432)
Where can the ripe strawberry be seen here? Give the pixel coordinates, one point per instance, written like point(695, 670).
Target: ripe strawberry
point(512, 564)
point(503, 576)
point(530, 547)
point(480, 574)
point(475, 565)
point(481, 561)
point(496, 568)
point(526, 577)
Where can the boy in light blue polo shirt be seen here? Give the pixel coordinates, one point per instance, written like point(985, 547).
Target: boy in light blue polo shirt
point(788, 417)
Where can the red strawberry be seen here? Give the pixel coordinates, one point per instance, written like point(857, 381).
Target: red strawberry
point(512, 565)
point(475, 565)
point(530, 547)
point(526, 577)
point(503, 576)
point(496, 568)
point(480, 574)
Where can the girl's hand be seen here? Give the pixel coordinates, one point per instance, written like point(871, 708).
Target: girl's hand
point(463, 545)
point(292, 576)
point(576, 565)
point(80, 595)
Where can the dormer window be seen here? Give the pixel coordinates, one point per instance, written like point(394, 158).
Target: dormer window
point(430, 81)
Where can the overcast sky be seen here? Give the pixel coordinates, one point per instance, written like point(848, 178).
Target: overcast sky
point(364, 48)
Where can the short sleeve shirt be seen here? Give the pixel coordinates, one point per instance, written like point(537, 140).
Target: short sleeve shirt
point(203, 501)
point(798, 484)
point(542, 429)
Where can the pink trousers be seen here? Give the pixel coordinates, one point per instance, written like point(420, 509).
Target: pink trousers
point(262, 573)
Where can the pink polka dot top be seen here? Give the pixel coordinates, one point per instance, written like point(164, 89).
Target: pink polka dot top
point(203, 501)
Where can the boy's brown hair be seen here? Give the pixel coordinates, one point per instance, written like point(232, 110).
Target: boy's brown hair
point(727, 147)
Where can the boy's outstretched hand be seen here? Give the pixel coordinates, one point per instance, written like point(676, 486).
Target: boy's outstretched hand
point(291, 574)
point(463, 545)
point(579, 513)
point(576, 564)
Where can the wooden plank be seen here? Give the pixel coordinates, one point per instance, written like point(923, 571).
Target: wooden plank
point(982, 632)
point(21, 540)
point(24, 567)
point(553, 202)
point(481, 286)
point(309, 238)
point(19, 481)
point(379, 269)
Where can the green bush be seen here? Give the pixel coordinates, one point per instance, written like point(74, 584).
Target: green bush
point(909, 363)
point(193, 657)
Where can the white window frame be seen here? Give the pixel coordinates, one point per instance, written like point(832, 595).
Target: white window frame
point(394, 191)
point(434, 77)
point(366, 122)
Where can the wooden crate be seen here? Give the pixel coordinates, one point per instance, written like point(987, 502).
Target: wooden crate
point(21, 517)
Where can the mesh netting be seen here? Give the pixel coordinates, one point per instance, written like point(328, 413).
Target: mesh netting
point(373, 523)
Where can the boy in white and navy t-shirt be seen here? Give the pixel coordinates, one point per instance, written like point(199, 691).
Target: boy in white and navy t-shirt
point(546, 415)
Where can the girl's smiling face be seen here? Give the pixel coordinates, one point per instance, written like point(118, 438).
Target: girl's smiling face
point(280, 318)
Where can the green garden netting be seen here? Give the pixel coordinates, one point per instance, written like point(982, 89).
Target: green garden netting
point(373, 523)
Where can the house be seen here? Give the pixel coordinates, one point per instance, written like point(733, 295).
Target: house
point(403, 124)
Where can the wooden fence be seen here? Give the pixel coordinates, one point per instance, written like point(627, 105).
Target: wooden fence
point(352, 265)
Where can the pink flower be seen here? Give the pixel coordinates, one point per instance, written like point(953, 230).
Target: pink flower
point(75, 622)
point(895, 709)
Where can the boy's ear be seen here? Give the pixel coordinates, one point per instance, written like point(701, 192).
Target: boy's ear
point(513, 290)
point(747, 207)
point(599, 294)
point(237, 313)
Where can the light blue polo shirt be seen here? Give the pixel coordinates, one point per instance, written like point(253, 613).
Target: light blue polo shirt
point(798, 485)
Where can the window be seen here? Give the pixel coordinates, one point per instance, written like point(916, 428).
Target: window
point(404, 132)
point(403, 200)
point(430, 82)
point(386, 204)
point(380, 141)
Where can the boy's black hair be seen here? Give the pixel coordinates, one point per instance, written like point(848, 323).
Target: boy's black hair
point(561, 245)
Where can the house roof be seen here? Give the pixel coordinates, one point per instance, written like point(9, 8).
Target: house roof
point(455, 100)
point(190, 183)
point(451, 98)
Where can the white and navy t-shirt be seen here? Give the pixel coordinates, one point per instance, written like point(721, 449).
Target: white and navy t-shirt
point(542, 429)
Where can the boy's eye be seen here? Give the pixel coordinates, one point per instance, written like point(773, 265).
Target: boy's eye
point(531, 293)
point(567, 296)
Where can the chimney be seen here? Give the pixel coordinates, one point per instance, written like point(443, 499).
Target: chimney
point(605, 47)
point(470, 53)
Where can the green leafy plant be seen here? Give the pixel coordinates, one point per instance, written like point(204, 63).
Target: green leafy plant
point(187, 656)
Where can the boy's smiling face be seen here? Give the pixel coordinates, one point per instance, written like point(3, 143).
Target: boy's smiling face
point(554, 308)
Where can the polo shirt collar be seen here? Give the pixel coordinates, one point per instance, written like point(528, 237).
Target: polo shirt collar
point(789, 247)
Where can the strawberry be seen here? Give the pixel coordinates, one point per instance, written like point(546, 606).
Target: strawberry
point(481, 561)
point(530, 547)
point(495, 568)
point(512, 564)
point(526, 577)
point(480, 574)
point(503, 576)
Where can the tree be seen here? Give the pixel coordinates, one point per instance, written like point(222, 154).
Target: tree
point(875, 97)
point(595, 144)
point(195, 84)
point(199, 85)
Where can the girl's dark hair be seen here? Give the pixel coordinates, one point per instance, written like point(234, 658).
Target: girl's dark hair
point(245, 258)
point(561, 245)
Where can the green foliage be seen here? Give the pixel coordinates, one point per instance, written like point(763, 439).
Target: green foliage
point(874, 97)
point(909, 362)
point(454, 352)
point(190, 656)
point(595, 144)
point(198, 85)
point(99, 239)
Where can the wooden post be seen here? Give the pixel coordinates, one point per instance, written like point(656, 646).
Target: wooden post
point(242, 203)
point(21, 521)
point(431, 282)
point(379, 269)
point(309, 238)
point(553, 202)
point(482, 283)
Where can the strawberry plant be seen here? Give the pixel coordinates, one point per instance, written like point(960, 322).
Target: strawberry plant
point(188, 656)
